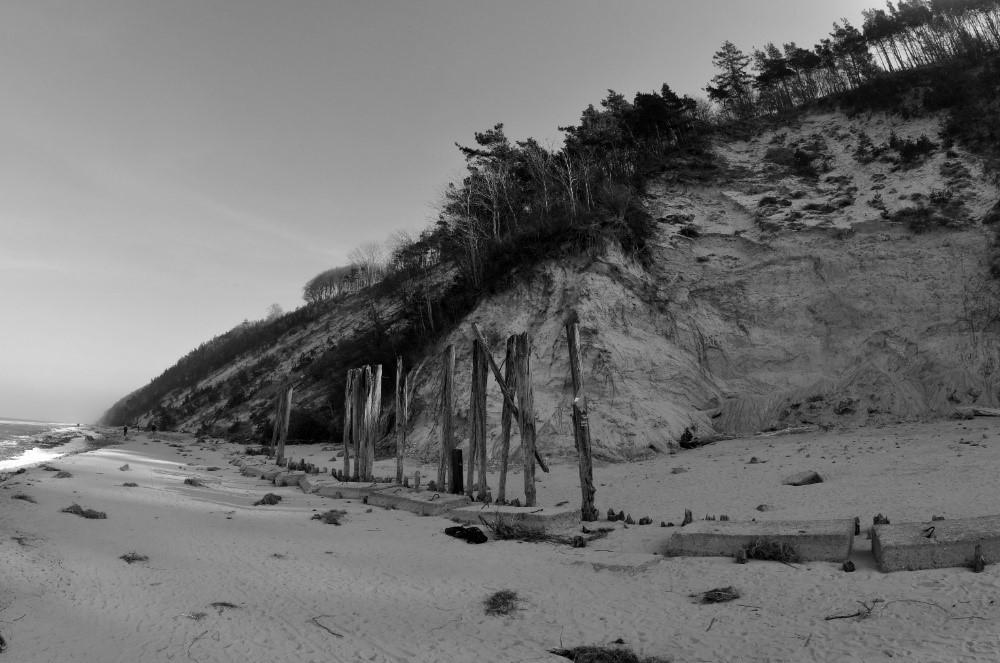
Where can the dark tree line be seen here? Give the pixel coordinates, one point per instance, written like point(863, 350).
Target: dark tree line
point(907, 35)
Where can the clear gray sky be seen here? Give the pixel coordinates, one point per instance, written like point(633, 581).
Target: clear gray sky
point(170, 168)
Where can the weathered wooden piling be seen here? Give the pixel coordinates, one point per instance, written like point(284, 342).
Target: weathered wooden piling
point(447, 408)
point(401, 412)
point(287, 415)
point(348, 420)
point(581, 426)
point(506, 417)
point(477, 423)
point(526, 415)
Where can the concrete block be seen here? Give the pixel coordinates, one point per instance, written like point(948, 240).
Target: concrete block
point(347, 490)
point(423, 502)
point(914, 546)
point(530, 517)
point(822, 540)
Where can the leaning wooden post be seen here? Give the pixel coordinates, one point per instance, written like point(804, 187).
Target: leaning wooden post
point(348, 418)
point(510, 377)
point(526, 418)
point(447, 405)
point(373, 410)
point(284, 425)
point(508, 395)
point(400, 419)
point(581, 426)
point(477, 421)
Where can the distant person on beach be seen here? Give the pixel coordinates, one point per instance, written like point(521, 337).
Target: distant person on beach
point(124, 432)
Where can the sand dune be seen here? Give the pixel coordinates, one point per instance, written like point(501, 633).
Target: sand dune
point(228, 581)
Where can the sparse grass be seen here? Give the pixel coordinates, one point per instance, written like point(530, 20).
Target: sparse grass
point(130, 484)
point(193, 481)
point(63, 474)
point(78, 510)
point(133, 557)
point(270, 498)
point(589, 654)
point(719, 595)
point(502, 602)
point(505, 529)
point(24, 497)
point(770, 550)
point(331, 517)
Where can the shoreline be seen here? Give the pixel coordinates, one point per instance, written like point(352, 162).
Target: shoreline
point(51, 445)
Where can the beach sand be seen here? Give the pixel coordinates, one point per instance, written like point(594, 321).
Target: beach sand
point(228, 581)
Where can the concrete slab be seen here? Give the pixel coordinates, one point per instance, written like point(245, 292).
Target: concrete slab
point(547, 518)
point(813, 540)
point(325, 486)
point(907, 546)
point(422, 502)
point(287, 478)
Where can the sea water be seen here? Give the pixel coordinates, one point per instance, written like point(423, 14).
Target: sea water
point(24, 442)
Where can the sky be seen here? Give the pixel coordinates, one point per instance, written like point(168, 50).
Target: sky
point(171, 168)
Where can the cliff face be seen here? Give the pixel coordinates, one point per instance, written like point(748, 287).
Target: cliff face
point(822, 280)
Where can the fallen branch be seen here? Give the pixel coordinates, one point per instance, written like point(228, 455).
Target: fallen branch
point(315, 620)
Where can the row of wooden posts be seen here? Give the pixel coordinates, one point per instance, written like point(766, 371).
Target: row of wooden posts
point(362, 410)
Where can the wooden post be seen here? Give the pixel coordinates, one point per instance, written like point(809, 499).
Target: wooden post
point(348, 419)
point(447, 405)
point(357, 421)
point(508, 394)
point(526, 418)
point(456, 471)
point(372, 411)
point(482, 489)
point(510, 377)
point(477, 422)
point(277, 424)
point(400, 419)
point(284, 425)
point(581, 426)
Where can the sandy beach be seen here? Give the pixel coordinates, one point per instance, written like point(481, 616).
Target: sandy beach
point(229, 581)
